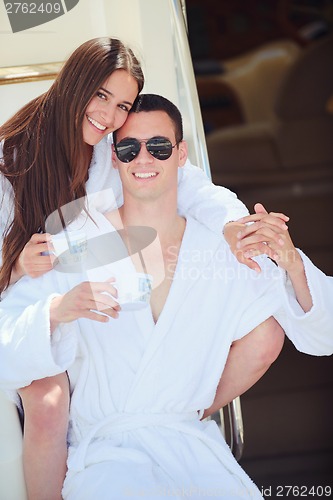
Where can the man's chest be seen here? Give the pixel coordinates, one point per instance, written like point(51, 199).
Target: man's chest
point(161, 292)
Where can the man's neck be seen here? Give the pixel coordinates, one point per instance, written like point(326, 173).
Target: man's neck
point(162, 217)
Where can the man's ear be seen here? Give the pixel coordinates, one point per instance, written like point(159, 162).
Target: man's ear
point(114, 158)
point(182, 153)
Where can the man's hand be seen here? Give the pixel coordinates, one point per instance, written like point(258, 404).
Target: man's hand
point(89, 300)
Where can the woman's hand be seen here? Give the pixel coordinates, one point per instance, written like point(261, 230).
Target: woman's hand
point(248, 236)
point(231, 232)
point(31, 260)
point(89, 300)
point(268, 234)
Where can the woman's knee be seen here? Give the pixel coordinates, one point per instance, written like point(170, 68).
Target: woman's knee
point(46, 401)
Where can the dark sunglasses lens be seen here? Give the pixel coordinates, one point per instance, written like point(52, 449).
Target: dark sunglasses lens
point(127, 149)
point(159, 147)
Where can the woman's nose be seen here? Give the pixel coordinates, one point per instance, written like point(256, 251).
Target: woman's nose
point(108, 114)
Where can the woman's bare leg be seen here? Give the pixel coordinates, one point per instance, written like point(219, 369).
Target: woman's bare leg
point(46, 409)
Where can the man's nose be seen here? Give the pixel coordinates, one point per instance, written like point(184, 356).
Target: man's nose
point(144, 154)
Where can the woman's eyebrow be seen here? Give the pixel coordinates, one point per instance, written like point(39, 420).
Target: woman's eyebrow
point(110, 93)
point(105, 90)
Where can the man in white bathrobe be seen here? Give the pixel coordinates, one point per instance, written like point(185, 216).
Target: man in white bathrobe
point(140, 383)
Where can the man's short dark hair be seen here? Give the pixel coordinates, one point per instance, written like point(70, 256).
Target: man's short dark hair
point(155, 102)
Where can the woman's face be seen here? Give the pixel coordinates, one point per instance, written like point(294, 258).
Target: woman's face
point(109, 107)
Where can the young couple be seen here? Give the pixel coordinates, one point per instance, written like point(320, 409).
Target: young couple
point(140, 380)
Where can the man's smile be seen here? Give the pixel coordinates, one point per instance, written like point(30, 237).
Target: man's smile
point(144, 175)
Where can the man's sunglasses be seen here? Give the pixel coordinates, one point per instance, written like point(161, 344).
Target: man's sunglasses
point(159, 147)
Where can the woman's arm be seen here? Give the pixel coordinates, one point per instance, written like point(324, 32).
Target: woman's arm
point(213, 206)
point(267, 237)
point(307, 313)
point(31, 261)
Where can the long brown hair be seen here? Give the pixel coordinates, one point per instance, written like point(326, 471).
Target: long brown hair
point(44, 156)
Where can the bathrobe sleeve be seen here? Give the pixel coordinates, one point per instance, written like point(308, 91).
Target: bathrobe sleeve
point(311, 332)
point(28, 351)
point(271, 294)
point(211, 205)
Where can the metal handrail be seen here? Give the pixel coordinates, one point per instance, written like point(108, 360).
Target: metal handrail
point(236, 428)
point(232, 426)
point(183, 6)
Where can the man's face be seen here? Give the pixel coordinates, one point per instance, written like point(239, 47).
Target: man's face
point(146, 176)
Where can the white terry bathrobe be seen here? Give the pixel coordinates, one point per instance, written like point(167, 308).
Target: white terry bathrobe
point(138, 387)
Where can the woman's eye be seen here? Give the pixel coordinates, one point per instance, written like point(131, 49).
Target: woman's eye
point(101, 95)
point(124, 107)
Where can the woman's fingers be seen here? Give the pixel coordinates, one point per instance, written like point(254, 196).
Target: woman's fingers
point(264, 234)
point(244, 258)
point(262, 249)
point(262, 222)
point(35, 258)
point(276, 219)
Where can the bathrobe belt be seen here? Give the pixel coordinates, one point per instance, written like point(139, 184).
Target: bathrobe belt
point(123, 422)
point(186, 423)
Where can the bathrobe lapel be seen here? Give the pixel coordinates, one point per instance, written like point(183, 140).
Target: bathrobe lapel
point(193, 260)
